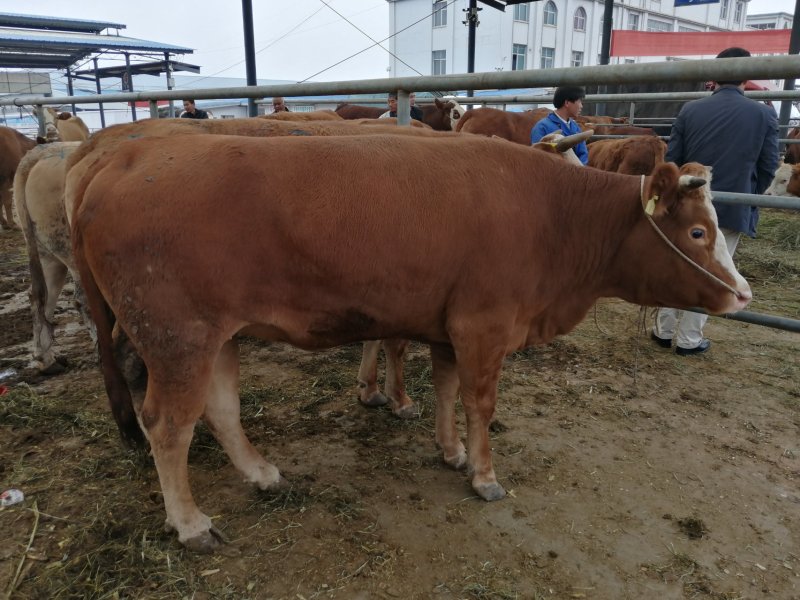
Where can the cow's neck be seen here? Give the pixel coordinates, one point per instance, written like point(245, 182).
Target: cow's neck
point(594, 217)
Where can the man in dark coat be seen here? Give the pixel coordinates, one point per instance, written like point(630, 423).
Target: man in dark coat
point(416, 111)
point(190, 111)
point(738, 138)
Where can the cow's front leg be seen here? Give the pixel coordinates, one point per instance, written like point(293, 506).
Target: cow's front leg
point(445, 383)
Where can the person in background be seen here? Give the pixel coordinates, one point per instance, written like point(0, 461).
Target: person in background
point(279, 105)
point(190, 111)
point(416, 112)
point(568, 101)
point(738, 138)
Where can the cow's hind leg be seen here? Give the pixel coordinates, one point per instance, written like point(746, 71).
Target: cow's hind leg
point(43, 307)
point(368, 392)
point(402, 405)
point(446, 385)
point(169, 412)
point(222, 415)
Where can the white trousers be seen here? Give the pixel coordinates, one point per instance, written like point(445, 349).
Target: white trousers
point(686, 327)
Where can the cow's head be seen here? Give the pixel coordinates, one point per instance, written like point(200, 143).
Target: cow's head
point(454, 111)
point(786, 181)
point(556, 143)
point(678, 256)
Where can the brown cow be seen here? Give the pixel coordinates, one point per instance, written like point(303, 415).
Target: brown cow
point(786, 181)
point(633, 156)
point(13, 146)
point(793, 150)
point(441, 115)
point(152, 245)
point(516, 126)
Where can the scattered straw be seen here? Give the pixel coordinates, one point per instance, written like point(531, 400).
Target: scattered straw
point(12, 586)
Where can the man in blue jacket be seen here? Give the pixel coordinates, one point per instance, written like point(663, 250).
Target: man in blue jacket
point(568, 101)
point(738, 138)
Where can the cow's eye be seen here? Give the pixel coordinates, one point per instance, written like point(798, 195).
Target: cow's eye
point(698, 234)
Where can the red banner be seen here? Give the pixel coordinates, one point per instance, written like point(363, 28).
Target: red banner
point(697, 43)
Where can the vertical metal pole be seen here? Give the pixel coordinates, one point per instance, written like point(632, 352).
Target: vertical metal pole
point(605, 48)
point(99, 91)
point(130, 83)
point(632, 113)
point(249, 53)
point(788, 83)
point(42, 120)
point(472, 24)
point(168, 71)
point(153, 109)
point(403, 108)
point(70, 89)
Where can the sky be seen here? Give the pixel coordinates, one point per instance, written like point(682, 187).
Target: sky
point(295, 40)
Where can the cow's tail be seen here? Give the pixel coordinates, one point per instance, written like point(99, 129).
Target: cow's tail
point(119, 394)
point(463, 120)
point(43, 328)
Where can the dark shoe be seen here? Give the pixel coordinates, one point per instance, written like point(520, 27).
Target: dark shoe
point(664, 343)
point(699, 349)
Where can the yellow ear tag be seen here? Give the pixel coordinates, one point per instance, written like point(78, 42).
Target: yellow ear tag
point(651, 205)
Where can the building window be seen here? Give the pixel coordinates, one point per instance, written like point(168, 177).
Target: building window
point(548, 58)
point(654, 25)
point(686, 29)
point(723, 9)
point(737, 16)
point(439, 62)
point(440, 13)
point(518, 53)
point(550, 14)
point(633, 21)
point(579, 20)
point(630, 61)
point(521, 12)
point(577, 58)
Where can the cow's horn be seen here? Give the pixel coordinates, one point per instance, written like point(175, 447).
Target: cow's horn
point(573, 140)
point(690, 182)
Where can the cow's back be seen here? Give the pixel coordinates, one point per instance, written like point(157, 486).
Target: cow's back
point(512, 126)
point(631, 156)
point(355, 111)
point(316, 115)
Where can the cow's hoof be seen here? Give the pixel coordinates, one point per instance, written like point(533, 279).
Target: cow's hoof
point(205, 543)
point(277, 486)
point(490, 491)
point(409, 411)
point(55, 368)
point(458, 462)
point(375, 399)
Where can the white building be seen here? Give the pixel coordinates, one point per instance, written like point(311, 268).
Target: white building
point(778, 20)
point(543, 34)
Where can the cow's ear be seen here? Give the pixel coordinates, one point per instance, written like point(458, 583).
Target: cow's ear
point(659, 190)
point(439, 104)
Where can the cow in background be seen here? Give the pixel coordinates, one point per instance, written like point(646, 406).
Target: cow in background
point(440, 116)
point(306, 281)
point(13, 146)
point(786, 182)
point(316, 115)
point(793, 150)
point(632, 156)
point(67, 127)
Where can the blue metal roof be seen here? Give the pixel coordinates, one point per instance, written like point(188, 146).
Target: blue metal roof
point(56, 23)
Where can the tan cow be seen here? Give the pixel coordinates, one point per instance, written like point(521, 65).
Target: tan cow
point(515, 250)
point(786, 181)
point(442, 115)
point(637, 155)
point(39, 200)
point(68, 127)
point(13, 146)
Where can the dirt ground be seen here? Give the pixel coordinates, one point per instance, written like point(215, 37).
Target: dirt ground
point(632, 472)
